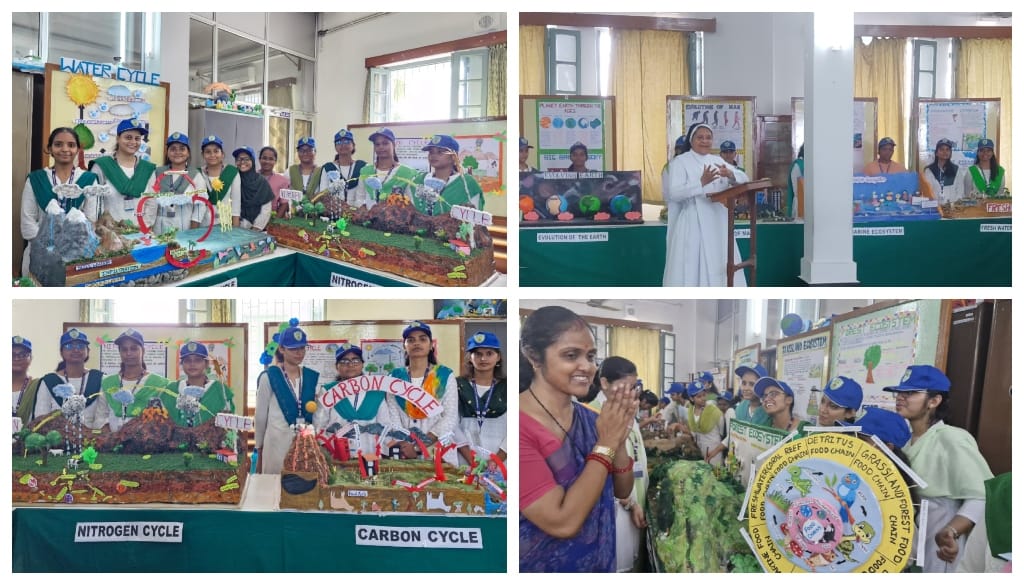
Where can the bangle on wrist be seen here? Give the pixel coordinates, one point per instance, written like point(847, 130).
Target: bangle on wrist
point(604, 452)
point(627, 468)
point(600, 459)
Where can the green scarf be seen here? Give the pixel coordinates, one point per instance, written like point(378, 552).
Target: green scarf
point(947, 458)
point(152, 387)
point(400, 178)
point(295, 175)
point(211, 402)
point(367, 408)
point(227, 176)
point(131, 188)
point(708, 419)
point(42, 188)
point(458, 192)
point(990, 188)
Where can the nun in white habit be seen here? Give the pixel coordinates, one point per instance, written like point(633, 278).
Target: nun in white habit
point(697, 226)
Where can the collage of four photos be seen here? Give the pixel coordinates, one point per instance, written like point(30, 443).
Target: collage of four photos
point(681, 427)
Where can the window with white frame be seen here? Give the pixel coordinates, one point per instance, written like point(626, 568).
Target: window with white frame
point(135, 310)
point(256, 312)
point(668, 358)
point(563, 57)
point(416, 90)
point(925, 68)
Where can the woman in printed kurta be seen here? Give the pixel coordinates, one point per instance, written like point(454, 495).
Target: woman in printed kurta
point(126, 171)
point(444, 185)
point(698, 236)
point(210, 394)
point(386, 176)
point(421, 369)
point(64, 147)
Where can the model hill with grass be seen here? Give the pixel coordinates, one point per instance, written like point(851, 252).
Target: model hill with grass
point(149, 459)
point(392, 236)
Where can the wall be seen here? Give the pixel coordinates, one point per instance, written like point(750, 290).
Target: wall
point(42, 323)
point(341, 68)
point(367, 310)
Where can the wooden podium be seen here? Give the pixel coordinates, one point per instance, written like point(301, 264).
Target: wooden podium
point(728, 198)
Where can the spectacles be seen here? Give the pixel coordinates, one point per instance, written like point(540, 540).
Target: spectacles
point(73, 346)
point(905, 395)
point(773, 394)
point(346, 362)
point(20, 355)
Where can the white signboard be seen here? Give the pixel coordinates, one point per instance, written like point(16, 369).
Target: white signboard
point(418, 537)
point(353, 386)
point(128, 531)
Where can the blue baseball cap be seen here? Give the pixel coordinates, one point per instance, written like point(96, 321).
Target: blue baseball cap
point(179, 138)
point(385, 132)
point(695, 388)
point(765, 383)
point(22, 342)
point(343, 134)
point(442, 141)
point(246, 149)
point(347, 348)
point(664, 400)
point(482, 339)
point(757, 369)
point(306, 141)
point(681, 140)
point(986, 143)
point(944, 142)
point(417, 326)
point(132, 124)
point(293, 338)
point(74, 336)
point(884, 424)
point(918, 378)
point(844, 392)
point(524, 143)
point(727, 146)
point(886, 142)
point(726, 396)
point(130, 334)
point(707, 377)
point(213, 139)
point(676, 388)
point(193, 348)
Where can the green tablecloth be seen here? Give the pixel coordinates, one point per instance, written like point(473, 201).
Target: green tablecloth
point(929, 253)
point(217, 540)
point(297, 269)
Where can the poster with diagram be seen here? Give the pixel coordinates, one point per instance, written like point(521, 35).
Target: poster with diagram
point(382, 355)
point(154, 356)
point(564, 122)
point(730, 118)
point(802, 361)
point(219, 351)
point(320, 357)
point(963, 122)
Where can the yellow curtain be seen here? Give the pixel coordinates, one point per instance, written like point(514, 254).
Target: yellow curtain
point(878, 72)
point(646, 67)
point(984, 71)
point(222, 311)
point(497, 76)
point(643, 348)
point(532, 63)
point(366, 97)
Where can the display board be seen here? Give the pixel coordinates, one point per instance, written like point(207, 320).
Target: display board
point(93, 98)
point(802, 362)
point(874, 345)
point(226, 341)
point(963, 121)
point(865, 130)
point(553, 123)
point(581, 199)
point(482, 143)
point(381, 342)
point(747, 441)
point(730, 118)
point(745, 356)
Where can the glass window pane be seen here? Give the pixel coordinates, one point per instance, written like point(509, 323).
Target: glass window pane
point(25, 34)
point(565, 77)
point(240, 66)
point(565, 48)
point(421, 92)
point(66, 39)
point(278, 138)
point(200, 56)
point(471, 67)
point(471, 112)
point(924, 84)
point(293, 30)
point(257, 312)
point(926, 57)
point(290, 81)
point(301, 128)
point(470, 93)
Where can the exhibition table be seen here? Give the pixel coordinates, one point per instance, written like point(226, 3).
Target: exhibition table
point(235, 541)
point(953, 252)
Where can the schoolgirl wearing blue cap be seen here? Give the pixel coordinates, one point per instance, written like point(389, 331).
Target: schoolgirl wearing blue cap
point(354, 404)
point(127, 170)
point(483, 398)
point(63, 146)
point(127, 393)
point(948, 460)
point(220, 181)
point(943, 176)
point(286, 395)
point(175, 176)
point(749, 409)
point(524, 153)
point(306, 176)
point(985, 177)
point(840, 401)
point(386, 176)
point(444, 184)
point(72, 371)
point(345, 167)
point(23, 384)
point(198, 380)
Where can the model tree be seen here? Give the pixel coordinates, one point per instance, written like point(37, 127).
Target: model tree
point(872, 357)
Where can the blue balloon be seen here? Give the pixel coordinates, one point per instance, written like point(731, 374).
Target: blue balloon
point(293, 322)
point(265, 359)
point(277, 338)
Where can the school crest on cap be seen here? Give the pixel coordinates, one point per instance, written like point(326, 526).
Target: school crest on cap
point(191, 346)
point(698, 385)
point(297, 334)
point(836, 383)
point(211, 138)
point(19, 339)
point(436, 139)
point(176, 135)
point(479, 338)
point(75, 334)
point(906, 376)
point(129, 331)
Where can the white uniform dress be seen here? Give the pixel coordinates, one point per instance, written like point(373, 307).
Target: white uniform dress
point(203, 180)
point(163, 219)
point(274, 435)
point(326, 418)
point(947, 193)
point(32, 215)
point(490, 435)
point(440, 424)
point(45, 403)
point(697, 241)
point(121, 208)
